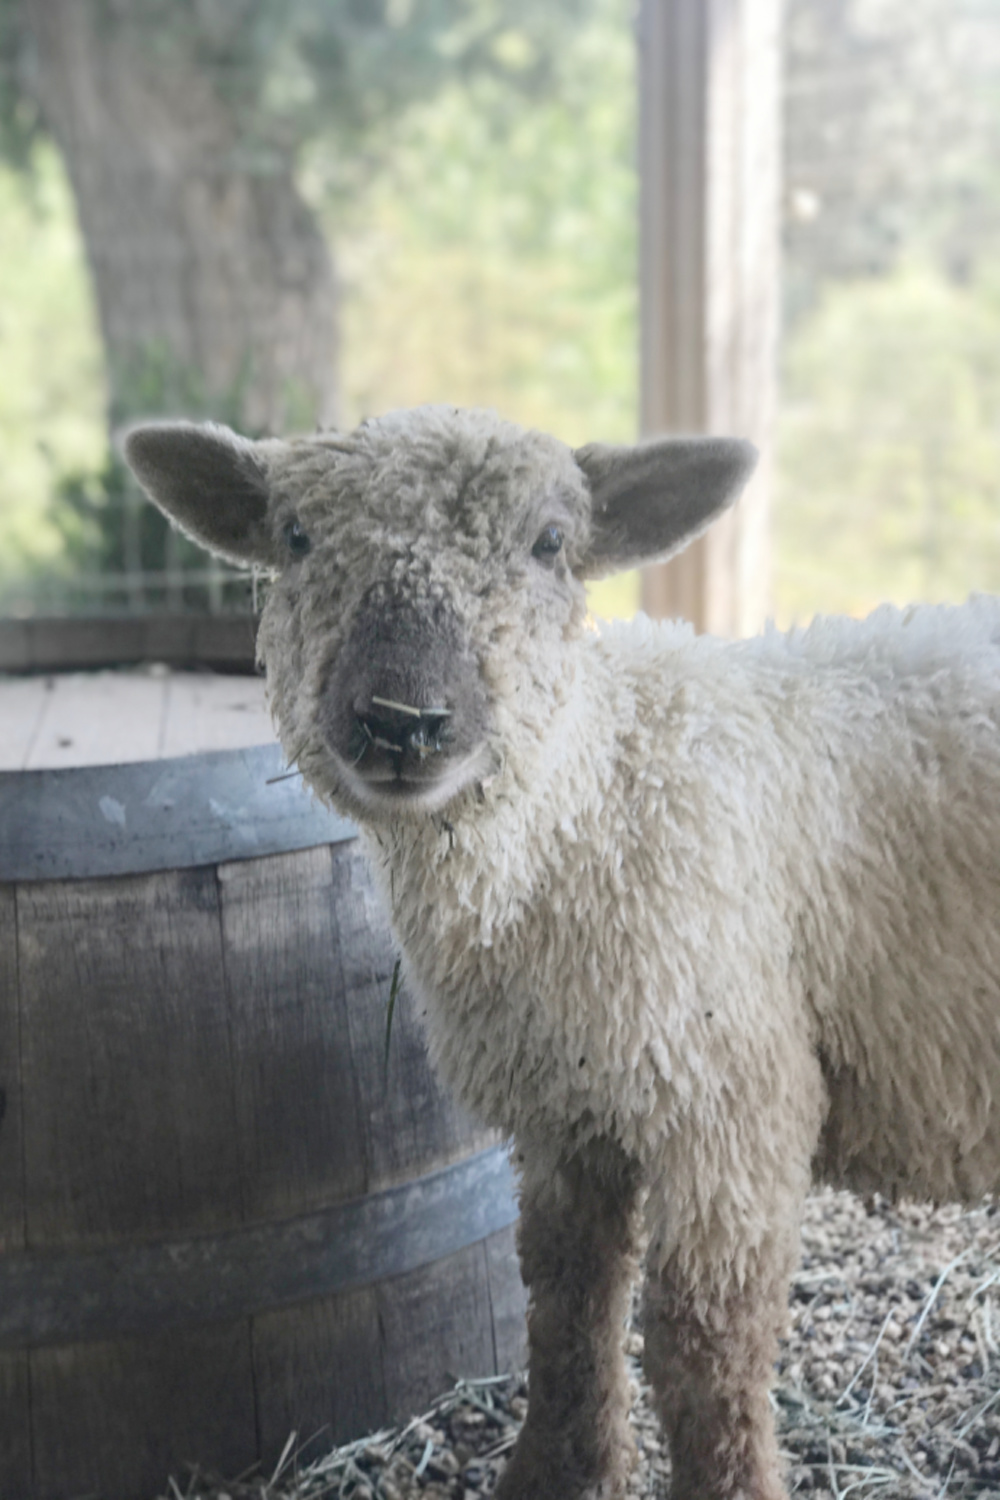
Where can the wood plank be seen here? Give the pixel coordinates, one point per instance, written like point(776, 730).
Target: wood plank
point(318, 1371)
point(62, 645)
point(99, 718)
point(436, 1326)
point(15, 652)
point(297, 1106)
point(23, 703)
point(12, 1230)
point(15, 1393)
point(209, 712)
point(16, 1482)
point(112, 718)
point(508, 1300)
point(410, 1123)
point(116, 1419)
point(225, 642)
point(710, 227)
point(126, 1067)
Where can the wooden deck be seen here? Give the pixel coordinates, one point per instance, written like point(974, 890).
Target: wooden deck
point(114, 717)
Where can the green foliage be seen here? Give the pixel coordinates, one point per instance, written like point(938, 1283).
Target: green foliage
point(51, 378)
point(292, 70)
point(490, 261)
point(493, 262)
point(889, 475)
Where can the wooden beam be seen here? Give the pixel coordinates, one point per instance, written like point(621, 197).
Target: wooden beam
point(710, 140)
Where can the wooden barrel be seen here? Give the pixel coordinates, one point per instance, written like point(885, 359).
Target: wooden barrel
point(224, 1216)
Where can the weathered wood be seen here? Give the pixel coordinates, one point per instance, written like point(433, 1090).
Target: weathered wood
point(319, 1371)
point(436, 1321)
point(15, 1426)
point(11, 1143)
point(115, 718)
point(507, 1298)
point(24, 703)
point(295, 1089)
point(409, 1123)
point(114, 820)
point(194, 1064)
point(183, 1281)
point(96, 718)
point(126, 1059)
point(15, 1410)
point(115, 1419)
point(205, 711)
point(224, 642)
point(710, 224)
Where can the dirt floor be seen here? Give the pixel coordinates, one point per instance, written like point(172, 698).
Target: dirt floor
point(888, 1386)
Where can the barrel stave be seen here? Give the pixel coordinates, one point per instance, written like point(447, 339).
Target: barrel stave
point(319, 1370)
point(298, 1111)
point(126, 1061)
point(97, 1412)
point(11, 1107)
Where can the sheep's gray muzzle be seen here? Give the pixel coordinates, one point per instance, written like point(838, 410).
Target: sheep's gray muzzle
point(404, 707)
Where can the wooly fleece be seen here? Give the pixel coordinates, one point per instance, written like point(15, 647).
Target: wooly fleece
point(691, 920)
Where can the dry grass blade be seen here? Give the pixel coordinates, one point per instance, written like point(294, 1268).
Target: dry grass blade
point(871, 1355)
point(287, 1455)
point(932, 1299)
point(390, 1012)
point(400, 708)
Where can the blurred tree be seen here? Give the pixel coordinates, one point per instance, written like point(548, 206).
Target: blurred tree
point(892, 137)
point(889, 475)
point(181, 122)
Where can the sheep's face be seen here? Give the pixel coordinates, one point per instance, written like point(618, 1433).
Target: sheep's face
point(427, 571)
point(427, 579)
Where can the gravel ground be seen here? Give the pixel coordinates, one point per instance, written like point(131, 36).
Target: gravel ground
point(888, 1386)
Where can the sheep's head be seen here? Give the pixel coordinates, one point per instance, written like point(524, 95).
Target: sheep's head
point(427, 577)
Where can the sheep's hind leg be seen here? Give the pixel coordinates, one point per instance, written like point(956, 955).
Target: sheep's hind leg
point(578, 1244)
point(709, 1357)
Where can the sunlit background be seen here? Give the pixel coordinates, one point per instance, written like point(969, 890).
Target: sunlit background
point(483, 231)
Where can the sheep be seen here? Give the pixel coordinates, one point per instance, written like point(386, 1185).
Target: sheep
point(694, 922)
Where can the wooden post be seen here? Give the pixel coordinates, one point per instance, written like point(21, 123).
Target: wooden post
point(710, 170)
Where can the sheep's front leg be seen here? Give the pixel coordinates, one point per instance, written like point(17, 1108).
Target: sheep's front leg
point(709, 1357)
point(577, 1240)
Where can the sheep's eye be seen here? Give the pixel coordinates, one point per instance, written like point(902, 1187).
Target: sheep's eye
point(296, 540)
point(548, 544)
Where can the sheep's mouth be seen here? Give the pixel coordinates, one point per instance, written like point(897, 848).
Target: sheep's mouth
point(393, 755)
point(391, 784)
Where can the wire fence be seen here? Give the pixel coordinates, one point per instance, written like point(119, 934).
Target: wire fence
point(209, 590)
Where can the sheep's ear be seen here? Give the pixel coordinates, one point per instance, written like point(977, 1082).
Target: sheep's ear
point(209, 481)
point(651, 499)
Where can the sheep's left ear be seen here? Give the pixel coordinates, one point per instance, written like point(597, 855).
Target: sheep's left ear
point(651, 499)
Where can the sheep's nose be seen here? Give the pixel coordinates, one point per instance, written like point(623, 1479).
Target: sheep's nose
point(399, 727)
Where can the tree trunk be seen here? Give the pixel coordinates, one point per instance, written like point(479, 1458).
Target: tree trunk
point(214, 284)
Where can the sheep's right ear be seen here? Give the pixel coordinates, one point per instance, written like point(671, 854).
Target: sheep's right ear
point(210, 482)
point(651, 499)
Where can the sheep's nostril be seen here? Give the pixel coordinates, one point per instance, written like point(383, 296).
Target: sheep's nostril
point(398, 729)
point(429, 734)
point(382, 732)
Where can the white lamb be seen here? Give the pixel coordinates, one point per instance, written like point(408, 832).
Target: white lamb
point(691, 920)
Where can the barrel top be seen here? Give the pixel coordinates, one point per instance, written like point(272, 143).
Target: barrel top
point(119, 772)
point(116, 717)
